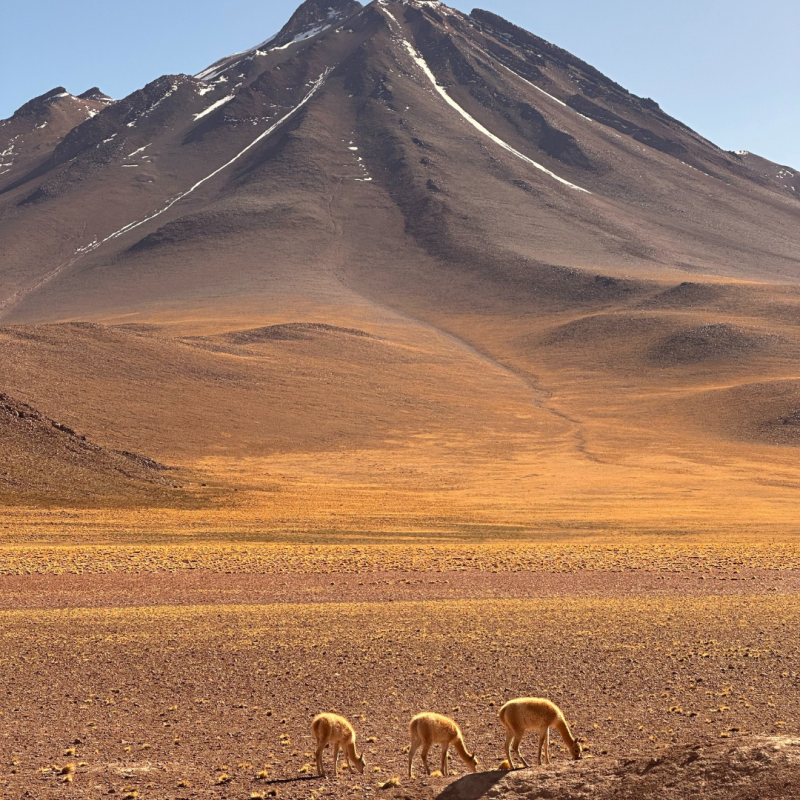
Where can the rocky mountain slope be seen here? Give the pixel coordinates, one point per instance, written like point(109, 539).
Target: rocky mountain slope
point(35, 129)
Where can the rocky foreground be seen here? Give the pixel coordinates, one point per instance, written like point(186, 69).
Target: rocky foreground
point(752, 767)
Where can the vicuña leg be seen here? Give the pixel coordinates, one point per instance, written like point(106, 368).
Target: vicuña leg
point(320, 765)
point(509, 743)
point(336, 760)
point(542, 739)
point(415, 743)
point(547, 746)
point(444, 759)
point(425, 748)
point(517, 742)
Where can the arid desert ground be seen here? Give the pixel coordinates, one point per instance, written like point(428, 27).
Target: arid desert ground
point(194, 669)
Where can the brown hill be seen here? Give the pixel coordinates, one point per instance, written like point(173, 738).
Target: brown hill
point(45, 461)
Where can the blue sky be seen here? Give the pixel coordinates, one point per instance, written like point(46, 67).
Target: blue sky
point(730, 69)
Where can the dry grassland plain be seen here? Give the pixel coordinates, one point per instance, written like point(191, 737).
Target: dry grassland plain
point(179, 671)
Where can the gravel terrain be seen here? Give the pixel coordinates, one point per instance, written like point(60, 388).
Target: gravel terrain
point(170, 700)
point(204, 587)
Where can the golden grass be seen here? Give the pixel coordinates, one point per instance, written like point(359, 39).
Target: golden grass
point(563, 557)
point(533, 434)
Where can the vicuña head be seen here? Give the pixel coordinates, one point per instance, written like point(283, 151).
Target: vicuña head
point(360, 762)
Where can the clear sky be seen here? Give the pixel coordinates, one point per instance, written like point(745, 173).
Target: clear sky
point(728, 68)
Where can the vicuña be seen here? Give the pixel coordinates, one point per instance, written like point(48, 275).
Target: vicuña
point(537, 714)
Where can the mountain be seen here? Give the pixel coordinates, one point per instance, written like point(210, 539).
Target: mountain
point(595, 307)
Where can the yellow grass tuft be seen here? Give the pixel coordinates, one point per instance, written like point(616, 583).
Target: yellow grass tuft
point(505, 764)
point(391, 783)
point(436, 774)
point(67, 769)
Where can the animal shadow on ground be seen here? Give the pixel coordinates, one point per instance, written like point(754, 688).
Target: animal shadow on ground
point(293, 780)
point(472, 787)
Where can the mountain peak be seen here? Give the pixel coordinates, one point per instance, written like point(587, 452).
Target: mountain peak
point(95, 94)
point(315, 15)
point(39, 103)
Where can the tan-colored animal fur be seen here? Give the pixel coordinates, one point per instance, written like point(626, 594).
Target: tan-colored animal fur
point(538, 714)
point(336, 730)
point(429, 729)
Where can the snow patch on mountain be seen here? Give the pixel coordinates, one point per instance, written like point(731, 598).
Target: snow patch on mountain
point(214, 106)
point(140, 150)
point(383, 5)
point(309, 34)
point(422, 64)
point(148, 111)
point(262, 49)
point(95, 243)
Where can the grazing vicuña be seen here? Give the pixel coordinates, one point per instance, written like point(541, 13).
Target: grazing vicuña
point(429, 729)
point(336, 730)
point(538, 714)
